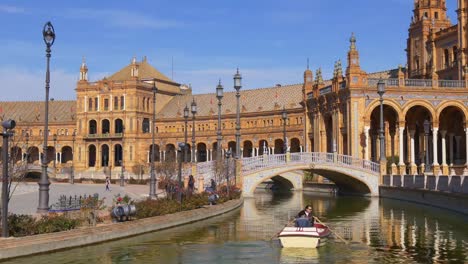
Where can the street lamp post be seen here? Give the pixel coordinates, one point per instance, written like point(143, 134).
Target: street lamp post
point(122, 179)
point(8, 125)
point(237, 86)
point(27, 148)
point(72, 174)
point(228, 155)
point(381, 91)
point(48, 34)
point(153, 193)
point(55, 151)
point(219, 95)
point(284, 116)
point(179, 173)
point(186, 116)
point(194, 112)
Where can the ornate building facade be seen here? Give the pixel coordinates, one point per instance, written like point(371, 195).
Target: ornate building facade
point(424, 115)
point(109, 125)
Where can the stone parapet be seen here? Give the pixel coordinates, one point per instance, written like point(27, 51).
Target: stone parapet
point(23, 246)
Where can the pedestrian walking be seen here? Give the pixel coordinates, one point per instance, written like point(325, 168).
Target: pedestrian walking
point(108, 182)
point(191, 184)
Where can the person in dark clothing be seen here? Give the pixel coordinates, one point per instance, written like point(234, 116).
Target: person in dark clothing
point(213, 185)
point(305, 214)
point(191, 183)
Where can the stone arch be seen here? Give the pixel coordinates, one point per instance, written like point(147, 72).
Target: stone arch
point(421, 103)
point(262, 147)
point(202, 154)
point(462, 108)
point(92, 127)
point(295, 145)
point(33, 154)
point(386, 102)
point(157, 157)
point(170, 152)
point(247, 149)
point(232, 146)
point(105, 152)
point(91, 155)
point(105, 126)
point(67, 154)
point(118, 153)
point(279, 146)
point(118, 125)
point(391, 122)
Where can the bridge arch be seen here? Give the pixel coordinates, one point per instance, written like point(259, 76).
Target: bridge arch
point(350, 174)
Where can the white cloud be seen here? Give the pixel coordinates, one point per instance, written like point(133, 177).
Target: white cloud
point(121, 18)
point(11, 9)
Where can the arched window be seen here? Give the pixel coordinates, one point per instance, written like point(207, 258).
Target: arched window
point(92, 127)
point(118, 125)
point(105, 126)
point(145, 125)
point(116, 103)
point(122, 102)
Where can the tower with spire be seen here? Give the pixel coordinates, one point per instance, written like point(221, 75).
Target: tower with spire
point(354, 74)
point(429, 17)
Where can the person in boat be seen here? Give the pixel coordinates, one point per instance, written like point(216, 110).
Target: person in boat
point(305, 218)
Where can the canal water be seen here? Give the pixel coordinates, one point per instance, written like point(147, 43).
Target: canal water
point(377, 231)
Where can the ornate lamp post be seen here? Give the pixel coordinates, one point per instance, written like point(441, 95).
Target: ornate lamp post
point(381, 91)
point(55, 150)
point(186, 116)
point(152, 191)
point(219, 95)
point(48, 34)
point(122, 179)
point(72, 175)
point(179, 173)
point(284, 116)
point(194, 112)
point(237, 86)
point(27, 148)
point(8, 125)
point(228, 155)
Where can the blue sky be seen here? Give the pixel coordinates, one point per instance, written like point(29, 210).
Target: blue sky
point(269, 41)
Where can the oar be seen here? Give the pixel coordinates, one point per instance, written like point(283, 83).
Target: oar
point(318, 220)
point(290, 221)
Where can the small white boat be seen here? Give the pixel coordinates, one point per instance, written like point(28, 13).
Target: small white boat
point(304, 237)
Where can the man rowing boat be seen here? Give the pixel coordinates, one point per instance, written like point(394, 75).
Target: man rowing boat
point(305, 218)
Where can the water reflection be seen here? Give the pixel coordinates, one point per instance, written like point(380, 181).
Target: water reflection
point(379, 231)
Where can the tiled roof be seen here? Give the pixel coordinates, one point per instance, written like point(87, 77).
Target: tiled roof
point(251, 101)
point(59, 111)
point(393, 73)
point(145, 70)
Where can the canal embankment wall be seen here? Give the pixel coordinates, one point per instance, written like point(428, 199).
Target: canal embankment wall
point(457, 202)
point(22, 246)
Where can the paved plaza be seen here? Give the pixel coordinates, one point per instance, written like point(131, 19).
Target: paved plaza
point(26, 195)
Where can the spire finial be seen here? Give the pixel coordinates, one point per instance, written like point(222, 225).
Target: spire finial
point(352, 40)
point(307, 63)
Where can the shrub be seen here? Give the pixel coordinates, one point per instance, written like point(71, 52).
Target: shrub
point(55, 223)
point(27, 225)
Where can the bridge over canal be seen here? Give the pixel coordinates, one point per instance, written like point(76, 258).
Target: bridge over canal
point(350, 174)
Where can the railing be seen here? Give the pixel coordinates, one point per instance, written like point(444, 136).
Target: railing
point(452, 83)
point(250, 165)
point(106, 135)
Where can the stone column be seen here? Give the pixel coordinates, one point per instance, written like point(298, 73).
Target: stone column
point(444, 166)
point(367, 141)
point(435, 164)
point(201, 184)
point(413, 167)
point(401, 163)
point(450, 149)
point(466, 147)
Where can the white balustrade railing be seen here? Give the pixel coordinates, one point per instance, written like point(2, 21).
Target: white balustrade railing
point(254, 164)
